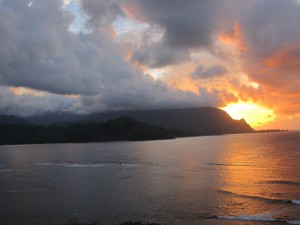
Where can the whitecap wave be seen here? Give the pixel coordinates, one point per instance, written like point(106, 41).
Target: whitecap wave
point(11, 191)
point(73, 164)
point(231, 164)
point(17, 191)
point(46, 164)
point(284, 182)
point(128, 164)
point(293, 221)
point(78, 164)
point(296, 202)
point(6, 171)
point(267, 216)
point(261, 198)
point(262, 217)
point(84, 165)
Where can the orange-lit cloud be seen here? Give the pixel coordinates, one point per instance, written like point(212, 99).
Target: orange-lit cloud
point(234, 38)
point(286, 57)
point(19, 91)
point(132, 12)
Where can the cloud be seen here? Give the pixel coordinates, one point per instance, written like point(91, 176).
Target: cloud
point(101, 12)
point(213, 71)
point(158, 56)
point(148, 94)
point(269, 29)
point(186, 26)
point(28, 105)
point(38, 51)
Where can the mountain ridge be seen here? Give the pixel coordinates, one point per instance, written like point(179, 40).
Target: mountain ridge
point(11, 119)
point(195, 121)
point(109, 126)
point(121, 129)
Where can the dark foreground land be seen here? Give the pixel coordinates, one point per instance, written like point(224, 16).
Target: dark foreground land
point(122, 129)
point(125, 223)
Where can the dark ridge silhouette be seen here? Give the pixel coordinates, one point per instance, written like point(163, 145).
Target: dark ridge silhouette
point(122, 129)
point(193, 121)
point(270, 130)
point(10, 119)
point(121, 126)
point(55, 118)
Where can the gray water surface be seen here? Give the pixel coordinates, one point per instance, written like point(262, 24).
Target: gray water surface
point(230, 179)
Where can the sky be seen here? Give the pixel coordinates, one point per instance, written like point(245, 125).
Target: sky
point(87, 56)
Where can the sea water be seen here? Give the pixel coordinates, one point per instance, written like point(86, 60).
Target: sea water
point(229, 179)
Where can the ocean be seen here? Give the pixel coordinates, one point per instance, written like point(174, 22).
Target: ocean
point(251, 179)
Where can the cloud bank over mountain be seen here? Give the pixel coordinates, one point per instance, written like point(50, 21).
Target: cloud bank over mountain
point(38, 51)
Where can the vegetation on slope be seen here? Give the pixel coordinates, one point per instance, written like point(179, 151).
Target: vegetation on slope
point(122, 129)
point(75, 222)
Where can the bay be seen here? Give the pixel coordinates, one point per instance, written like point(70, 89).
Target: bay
point(228, 179)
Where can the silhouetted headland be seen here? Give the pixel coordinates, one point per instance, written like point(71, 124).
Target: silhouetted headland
point(120, 126)
point(270, 130)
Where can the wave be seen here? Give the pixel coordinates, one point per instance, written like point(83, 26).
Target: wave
point(11, 192)
point(6, 171)
point(261, 198)
point(230, 164)
point(293, 221)
point(78, 164)
point(73, 165)
point(287, 182)
point(128, 164)
point(16, 191)
point(267, 216)
point(296, 202)
point(263, 217)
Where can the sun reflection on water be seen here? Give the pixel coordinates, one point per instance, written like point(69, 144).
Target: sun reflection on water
point(251, 181)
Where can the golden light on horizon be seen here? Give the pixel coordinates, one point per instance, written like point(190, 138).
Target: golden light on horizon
point(254, 114)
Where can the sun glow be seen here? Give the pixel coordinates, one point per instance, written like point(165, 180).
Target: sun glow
point(254, 114)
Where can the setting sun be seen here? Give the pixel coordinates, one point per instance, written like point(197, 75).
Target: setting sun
point(254, 114)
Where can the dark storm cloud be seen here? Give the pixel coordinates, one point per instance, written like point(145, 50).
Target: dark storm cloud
point(101, 12)
point(158, 56)
point(38, 51)
point(272, 37)
point(186, 26)
point(203, 73)
point(269, 25)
